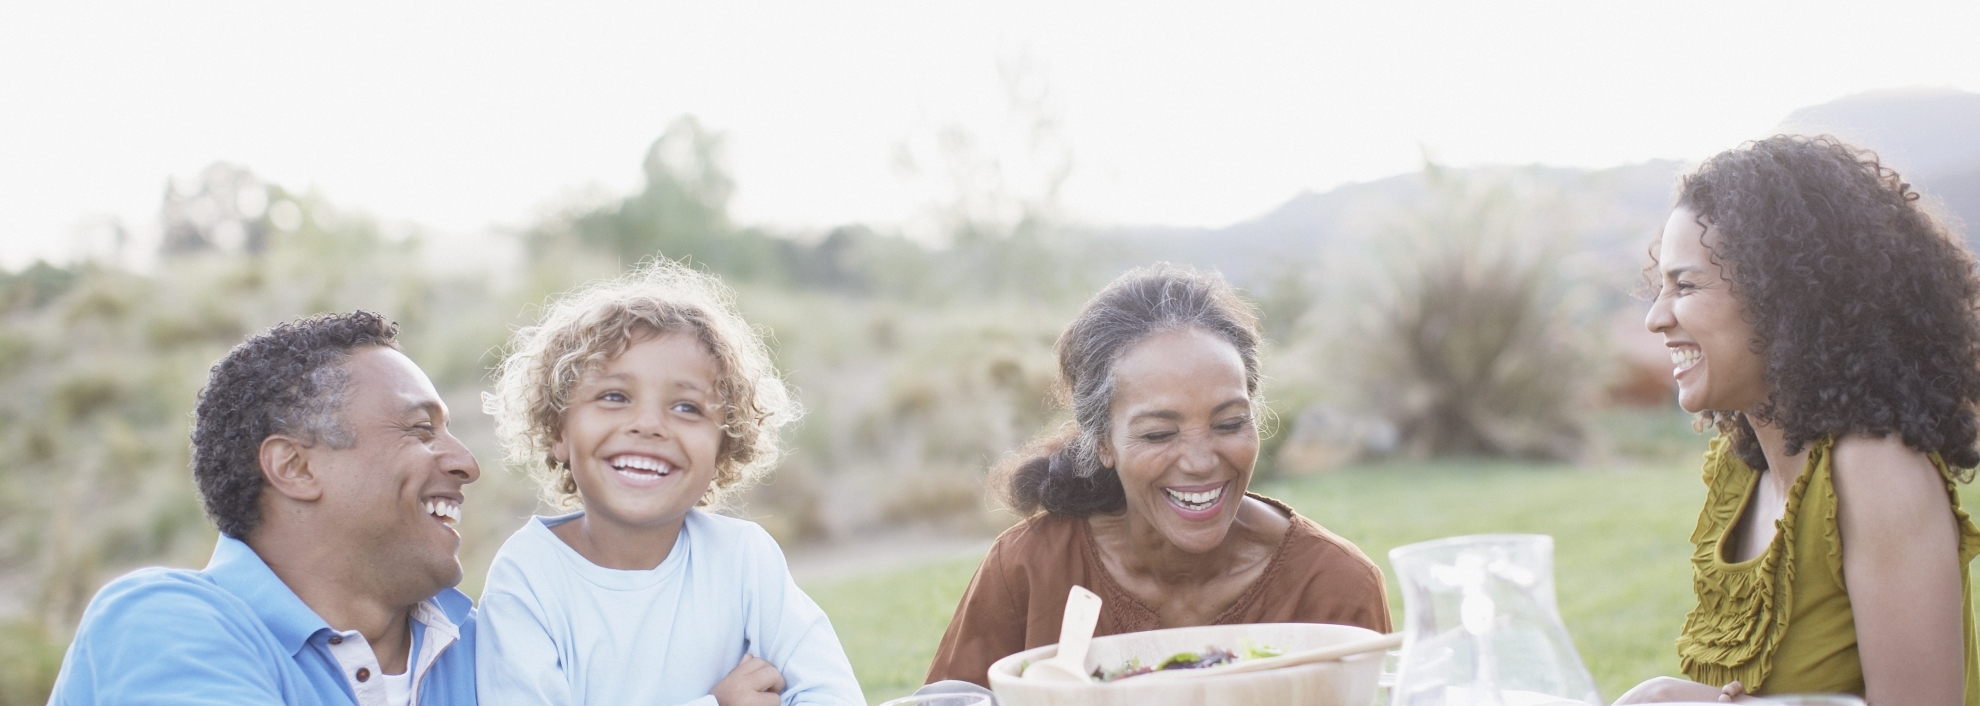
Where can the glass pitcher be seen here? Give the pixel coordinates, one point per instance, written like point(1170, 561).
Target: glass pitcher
point(1480, 627)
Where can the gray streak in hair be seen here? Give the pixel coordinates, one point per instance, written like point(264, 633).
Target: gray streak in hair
point(320, 418)
point(1062, 473)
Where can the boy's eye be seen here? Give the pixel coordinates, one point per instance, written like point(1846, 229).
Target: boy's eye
point(687, 408)
point(614, 396)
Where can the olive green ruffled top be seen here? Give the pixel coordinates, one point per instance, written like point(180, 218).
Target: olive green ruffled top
point(1780, 622)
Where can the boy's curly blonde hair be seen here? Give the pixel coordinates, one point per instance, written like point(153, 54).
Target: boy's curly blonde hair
point(590, 325)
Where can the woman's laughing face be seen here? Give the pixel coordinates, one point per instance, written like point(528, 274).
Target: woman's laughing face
point(1704, 324)
point(1183, 438)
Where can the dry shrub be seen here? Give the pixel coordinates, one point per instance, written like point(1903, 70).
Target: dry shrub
point(1473, 351)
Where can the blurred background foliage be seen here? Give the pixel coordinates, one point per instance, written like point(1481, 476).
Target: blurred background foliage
point(1449, 312)
point(1473, 347)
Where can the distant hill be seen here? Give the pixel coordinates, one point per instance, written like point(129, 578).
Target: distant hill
point(1616, 210)
point(1931, 136)
point(1930, 132)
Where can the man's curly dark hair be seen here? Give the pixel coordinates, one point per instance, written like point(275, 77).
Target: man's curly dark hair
point(1862, 303)
point(289, 379)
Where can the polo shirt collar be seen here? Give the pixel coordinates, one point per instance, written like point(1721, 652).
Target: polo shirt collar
point(236, 568)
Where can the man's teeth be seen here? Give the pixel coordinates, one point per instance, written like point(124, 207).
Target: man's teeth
point(641, 463)
point(1684, 357)
point(448, 511)
point(1196, 501)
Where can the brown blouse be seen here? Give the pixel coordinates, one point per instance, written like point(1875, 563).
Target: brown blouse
point(1018, 596)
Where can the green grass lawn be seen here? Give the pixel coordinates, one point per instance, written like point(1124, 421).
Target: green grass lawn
point(1621, 540)
point(1622, 568)
point(890, 623)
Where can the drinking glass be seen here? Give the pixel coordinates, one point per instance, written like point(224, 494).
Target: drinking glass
point(1385, 683)
point(1786, 700)
point(1812, 700)
point(941, 700)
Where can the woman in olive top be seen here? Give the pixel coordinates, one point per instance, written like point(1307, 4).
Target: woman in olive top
point(1142, 499)
point(1825, 324)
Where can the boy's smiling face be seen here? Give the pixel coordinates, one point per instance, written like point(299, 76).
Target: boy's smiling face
point(642, 433)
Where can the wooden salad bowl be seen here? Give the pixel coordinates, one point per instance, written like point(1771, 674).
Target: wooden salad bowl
point(1349, 682)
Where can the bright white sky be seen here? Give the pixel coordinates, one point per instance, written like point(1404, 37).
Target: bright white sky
point(469, 116)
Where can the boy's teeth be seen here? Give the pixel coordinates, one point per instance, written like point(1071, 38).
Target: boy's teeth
point(641, 463)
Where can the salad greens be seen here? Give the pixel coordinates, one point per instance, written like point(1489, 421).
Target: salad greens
point(1209, 657)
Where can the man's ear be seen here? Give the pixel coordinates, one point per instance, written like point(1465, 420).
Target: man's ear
point(285, 465)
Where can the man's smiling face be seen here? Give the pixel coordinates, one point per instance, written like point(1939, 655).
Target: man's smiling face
point(396, 492)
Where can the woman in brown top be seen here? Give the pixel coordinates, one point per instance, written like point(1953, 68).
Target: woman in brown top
point(1142, 499)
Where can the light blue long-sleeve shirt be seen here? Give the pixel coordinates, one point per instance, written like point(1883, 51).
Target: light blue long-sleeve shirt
point(235, 634)
point(558, 629)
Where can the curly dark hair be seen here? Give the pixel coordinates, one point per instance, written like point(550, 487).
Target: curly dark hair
point(289, 379)
point(1862, 303)
point(1061, 472)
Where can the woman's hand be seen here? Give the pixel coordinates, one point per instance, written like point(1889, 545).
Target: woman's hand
point(1664, 690)
point(752, 683)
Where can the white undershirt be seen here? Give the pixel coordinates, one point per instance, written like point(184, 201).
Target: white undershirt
point(398, 688)
point(376, 688)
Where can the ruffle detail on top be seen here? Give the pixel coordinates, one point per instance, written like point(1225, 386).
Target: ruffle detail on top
point(1831, 527)
point(1969, 535)
point(1743, 608)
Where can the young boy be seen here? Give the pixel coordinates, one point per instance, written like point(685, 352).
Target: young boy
point(639, 402)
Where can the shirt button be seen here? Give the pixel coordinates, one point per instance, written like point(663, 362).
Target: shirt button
point(336, 639)
point(363, 673)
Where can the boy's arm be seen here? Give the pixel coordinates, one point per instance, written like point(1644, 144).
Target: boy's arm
point(793, 634)
point(515, 661)
point(170, 641)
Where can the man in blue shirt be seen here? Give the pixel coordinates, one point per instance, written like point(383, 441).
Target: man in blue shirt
point(322, 453)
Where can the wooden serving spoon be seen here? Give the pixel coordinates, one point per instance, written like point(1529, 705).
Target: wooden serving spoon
point(1293, 659)
point(1075, 635)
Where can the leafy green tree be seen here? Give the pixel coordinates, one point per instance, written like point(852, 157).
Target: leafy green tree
point(682, 211)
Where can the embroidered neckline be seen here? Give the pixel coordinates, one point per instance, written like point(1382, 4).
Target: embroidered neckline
point(1137, 616)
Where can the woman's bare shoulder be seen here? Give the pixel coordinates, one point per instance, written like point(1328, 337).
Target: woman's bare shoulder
point(1886, 448)
point(1884, 459)
point(1882, 477)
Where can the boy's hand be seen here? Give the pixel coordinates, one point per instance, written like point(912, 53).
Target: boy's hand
point(752, 683)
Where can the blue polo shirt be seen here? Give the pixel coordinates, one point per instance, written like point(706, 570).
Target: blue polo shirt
point(235, 634)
